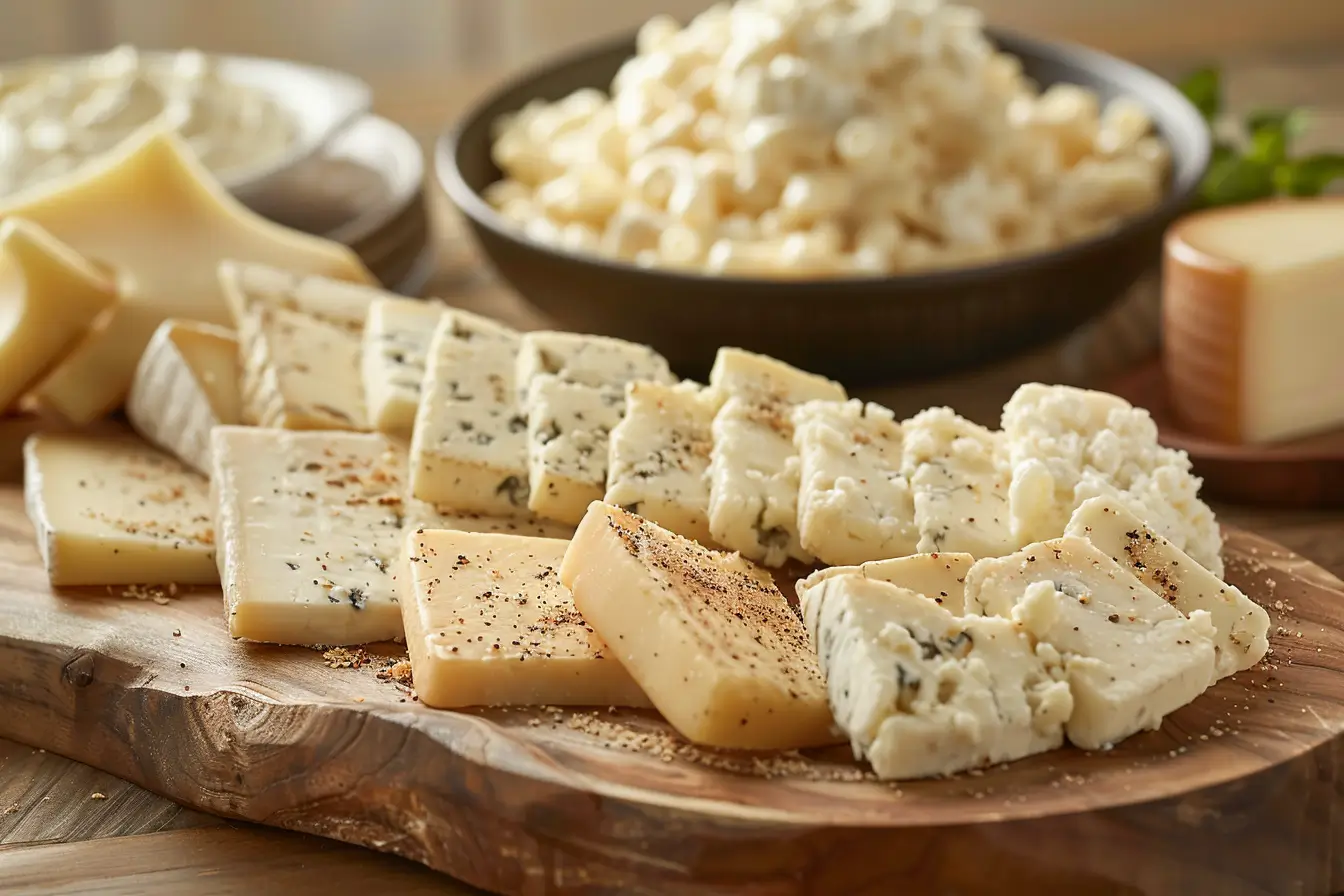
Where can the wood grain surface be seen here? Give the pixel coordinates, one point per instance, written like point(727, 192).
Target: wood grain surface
point(1238, 791)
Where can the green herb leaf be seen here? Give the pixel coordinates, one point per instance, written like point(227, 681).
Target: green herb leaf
point(1309, 176)
point(1272, 132)
point(1204, 89)
point(1236, 179)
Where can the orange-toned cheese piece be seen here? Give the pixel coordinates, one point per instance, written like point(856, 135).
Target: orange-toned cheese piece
point(1253, 310)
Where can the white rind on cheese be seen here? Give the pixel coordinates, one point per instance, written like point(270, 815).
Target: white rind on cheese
point(658, 458)
point(49, 298)
point(1131, 659)
point(940, 577)
point(187, 383)
point(397, 336)
point(299, 372)
point(310, 528)
point(113, 511)
point(469, 448)
point(1242, 625)
point(754, 469)
point(488, 623)
point(707, 635)
point(922, 692)
point(854, 504)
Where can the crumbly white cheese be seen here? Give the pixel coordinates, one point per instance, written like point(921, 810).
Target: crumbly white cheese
point(922, 692)
point(940, 577)
point(1130, 657)
point(397, 337)
point(1242, 625)
point(854, 504)
point(1065, 445)
point(658, 458)
point(960, 493)
point(469, 448)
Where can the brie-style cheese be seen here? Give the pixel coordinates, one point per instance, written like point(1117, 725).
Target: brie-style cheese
point(397, 336)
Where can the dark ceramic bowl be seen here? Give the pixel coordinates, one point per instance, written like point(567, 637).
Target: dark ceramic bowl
point(860, 330)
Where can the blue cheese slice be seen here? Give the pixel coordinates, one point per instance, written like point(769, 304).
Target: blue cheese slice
point(922, 692)
point(659, 456)
point(1130, 657)
point(598, 361)
point(397, 336)
point(469, 447)
point(960, 492)
point(299, 372)
point(941, 577)
point(1242, 625)
point(310, 528)
point(854, 503)
point(754, 469)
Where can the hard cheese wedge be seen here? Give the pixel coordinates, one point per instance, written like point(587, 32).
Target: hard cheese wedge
point(659, 456)
point(1252, 311)
point(707, 635)
point(922, 692)
point(166, 246)
point(113, 511)
point(489, 624)
point(186, 384)
point(1131, 659)
point(754, 467)
point(49, 297)
point(854, 504)
point(940, 577)
point(310, 529)
point(397, 338)
point(1242, 625)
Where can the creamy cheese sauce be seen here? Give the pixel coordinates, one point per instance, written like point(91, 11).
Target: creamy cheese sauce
point(56, 115)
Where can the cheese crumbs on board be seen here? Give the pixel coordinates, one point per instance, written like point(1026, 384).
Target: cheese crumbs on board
point(707, 635)
point(488, 623)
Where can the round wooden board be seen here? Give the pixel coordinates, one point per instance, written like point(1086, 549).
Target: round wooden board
point(1238, 793)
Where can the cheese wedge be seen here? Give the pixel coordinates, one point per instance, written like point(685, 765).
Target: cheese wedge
point(1252, 310)
point(754, 467)
point(1242, 625)
point(299, 372)
point(186, 384)
point(113, 511)
point(489, 624)
point(49, 297)
point(397, 335)
point(922, 692)
point(854, 504)
point(573, 389)
point(706, 635)
point(1130, 658)
point(658, 457)
point(310, 531)
point(939, 577)
point(960, 493)
point(469, 448)
point(165, 246)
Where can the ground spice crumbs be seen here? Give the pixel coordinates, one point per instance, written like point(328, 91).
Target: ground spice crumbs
point(97, 796)
point(345, 658)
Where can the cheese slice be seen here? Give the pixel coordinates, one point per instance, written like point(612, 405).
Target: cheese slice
point(469, 448)
point(658, 457)
point(248, 286)
point(1252, 309)
point(1242, 625)
point(396, 344)
point(854, 504)
point(423, 515)
point(49, 297)
point(165, 247)
point(939, 577)
point(310, 529)
point(186, 384)
point(489, 624)
point(573, 389)
point(113, 511)
point(706, 635)
point(922, 692)
point(299, 372)
point(960, 493)
point(754, 470)
point(1130, 658)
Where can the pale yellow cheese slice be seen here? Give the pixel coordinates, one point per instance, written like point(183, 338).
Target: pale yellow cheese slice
point(49, 297)
point(489, 624)
point(153, 214)
point(941, 577)
point(299, 372)
point(185, 385)
point(707, 635)
point(114, 511)
point(397, 338)
point(342, 304)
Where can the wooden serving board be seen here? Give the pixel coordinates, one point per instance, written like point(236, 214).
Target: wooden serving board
point(1242, 792)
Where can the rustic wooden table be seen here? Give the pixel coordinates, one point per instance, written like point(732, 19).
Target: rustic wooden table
point(66, 827)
